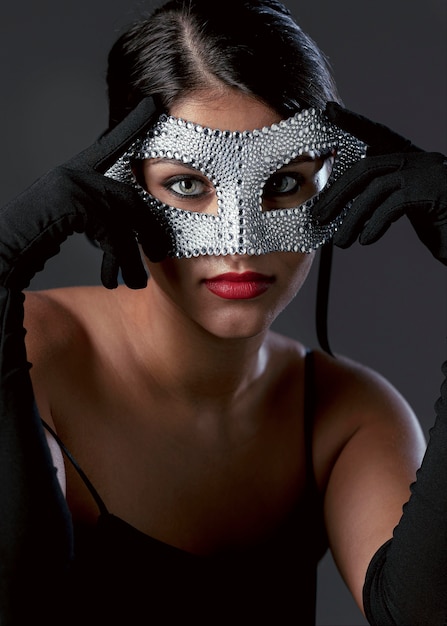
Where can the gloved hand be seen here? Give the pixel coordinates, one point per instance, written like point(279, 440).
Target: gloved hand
point(395, 178)
point(36, 535)
point(77, 197)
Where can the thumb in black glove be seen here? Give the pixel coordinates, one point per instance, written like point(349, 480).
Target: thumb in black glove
point(395, 178)
point(77, 197)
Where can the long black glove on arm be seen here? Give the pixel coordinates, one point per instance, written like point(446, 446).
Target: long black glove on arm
point(35, 524)
point(406, 582)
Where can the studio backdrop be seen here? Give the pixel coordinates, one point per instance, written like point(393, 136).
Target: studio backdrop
point(387, 301)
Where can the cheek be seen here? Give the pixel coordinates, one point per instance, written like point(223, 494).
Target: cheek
point(168, 275)
point(178, 279)
point(300, 269)
point(297, 270)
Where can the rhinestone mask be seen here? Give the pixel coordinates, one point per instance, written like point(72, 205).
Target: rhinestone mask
point(238, 164)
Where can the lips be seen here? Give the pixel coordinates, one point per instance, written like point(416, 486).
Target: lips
point(239, 286)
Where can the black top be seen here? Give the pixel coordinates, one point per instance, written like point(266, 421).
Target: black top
point(123, 576)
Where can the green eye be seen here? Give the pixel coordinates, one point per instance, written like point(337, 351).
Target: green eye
point(281, 184)
point(186, 187)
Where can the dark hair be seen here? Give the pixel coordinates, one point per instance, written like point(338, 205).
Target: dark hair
point(189, 45)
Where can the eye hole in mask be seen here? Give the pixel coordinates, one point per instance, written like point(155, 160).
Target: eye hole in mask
point(175, 184)
point(250, 192)
point(297, 182)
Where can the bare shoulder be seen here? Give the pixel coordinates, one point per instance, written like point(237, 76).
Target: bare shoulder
point(354, 398)
point(55, 335)
point(56, 340)
point(357, 392)
point(70, 329)
point(344, 387)
point(368, 445)
point(54, 320)
point(348, 394)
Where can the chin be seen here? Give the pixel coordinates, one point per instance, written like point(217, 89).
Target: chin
point(239, 335)
point(244, 326)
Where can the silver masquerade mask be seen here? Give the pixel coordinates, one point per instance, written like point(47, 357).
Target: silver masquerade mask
point(238, 165)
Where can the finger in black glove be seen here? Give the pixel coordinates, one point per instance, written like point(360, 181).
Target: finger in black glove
point(77, 197)
point(395, 178)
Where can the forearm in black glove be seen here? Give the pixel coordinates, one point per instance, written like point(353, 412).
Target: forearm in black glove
point(77, 197)
point(406, 583)
point(35, 523)
point(395, 178)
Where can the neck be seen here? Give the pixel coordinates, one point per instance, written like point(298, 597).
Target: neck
point(190, 363)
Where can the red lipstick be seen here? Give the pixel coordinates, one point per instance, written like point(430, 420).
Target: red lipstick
point(239, 286)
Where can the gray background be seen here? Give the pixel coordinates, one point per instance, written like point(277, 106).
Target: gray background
point(387, 305)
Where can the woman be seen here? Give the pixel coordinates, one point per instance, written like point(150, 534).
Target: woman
point(215, 460)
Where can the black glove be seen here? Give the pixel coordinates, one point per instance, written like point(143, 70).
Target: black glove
point(35, 523)
point(406, 582)
point(77, 197)
point(395, 178)
point(36, 536)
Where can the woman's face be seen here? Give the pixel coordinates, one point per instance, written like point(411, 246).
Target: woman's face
point(234, 295)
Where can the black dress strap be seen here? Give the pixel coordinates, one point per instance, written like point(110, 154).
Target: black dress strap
point(102, 507)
